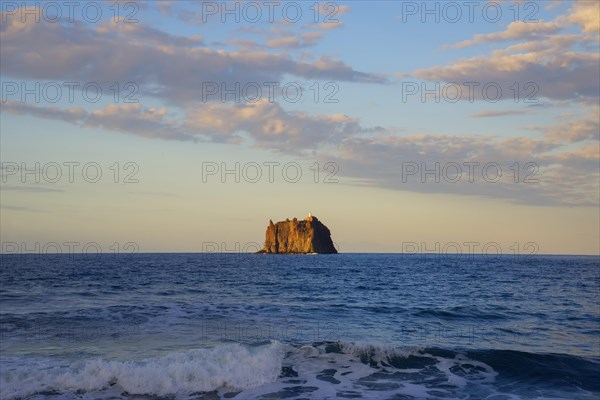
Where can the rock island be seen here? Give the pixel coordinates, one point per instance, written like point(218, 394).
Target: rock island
point(298, 237)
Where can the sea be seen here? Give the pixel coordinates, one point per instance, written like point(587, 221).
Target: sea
point(341, 326)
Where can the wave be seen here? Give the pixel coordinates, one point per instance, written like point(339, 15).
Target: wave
point(200, 370)
point(316, 370)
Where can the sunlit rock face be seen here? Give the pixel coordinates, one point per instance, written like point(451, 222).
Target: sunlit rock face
point(298, 237)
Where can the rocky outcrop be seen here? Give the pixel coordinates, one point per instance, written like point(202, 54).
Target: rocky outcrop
point(298, 237)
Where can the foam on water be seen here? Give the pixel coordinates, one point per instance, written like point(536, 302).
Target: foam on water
point(336, 370)
point(320, 370)
point(200, 370)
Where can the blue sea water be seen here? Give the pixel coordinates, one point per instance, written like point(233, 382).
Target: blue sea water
point(346, 326)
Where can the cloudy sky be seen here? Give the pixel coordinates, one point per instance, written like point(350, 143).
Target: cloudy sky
point(186, 126)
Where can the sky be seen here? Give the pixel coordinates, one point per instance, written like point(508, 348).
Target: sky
point(185, 126)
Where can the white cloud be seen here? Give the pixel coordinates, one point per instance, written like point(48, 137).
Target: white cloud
point(169, 67)
point(563, 65)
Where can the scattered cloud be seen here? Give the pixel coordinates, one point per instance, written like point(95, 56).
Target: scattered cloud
point(266, 123)
point(553, 4)
point(574, 131)
point(295, 42)
point(499, 113)
point(564, 176)
point(517, 30)
point(29, 188)
point(586, 14)
point(168, 67)
point(562, 65)
point(129, 118)
point(560, 56)
point(271, 126)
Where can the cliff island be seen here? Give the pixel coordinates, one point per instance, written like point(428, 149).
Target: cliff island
point(298, 237)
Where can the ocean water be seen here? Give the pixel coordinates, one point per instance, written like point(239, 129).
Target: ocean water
point(346, 326)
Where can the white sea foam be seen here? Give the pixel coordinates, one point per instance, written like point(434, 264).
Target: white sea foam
point(313, 371)
point(232, 366)
point(328, 371)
